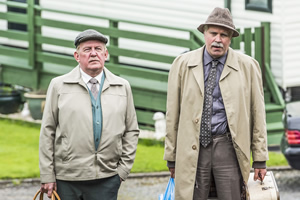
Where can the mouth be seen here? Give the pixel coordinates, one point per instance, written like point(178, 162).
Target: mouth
point(217, 47)
point(93, 61)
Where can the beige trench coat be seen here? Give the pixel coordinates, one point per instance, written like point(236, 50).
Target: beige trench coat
point(67, 150)
point(242, 93)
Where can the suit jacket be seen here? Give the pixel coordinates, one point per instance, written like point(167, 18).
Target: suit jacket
point(67, 150)
point(242, 93)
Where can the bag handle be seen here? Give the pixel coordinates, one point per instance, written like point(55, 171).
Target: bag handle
point(54, 194)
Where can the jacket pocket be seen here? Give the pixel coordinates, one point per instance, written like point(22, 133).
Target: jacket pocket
point(65, 156)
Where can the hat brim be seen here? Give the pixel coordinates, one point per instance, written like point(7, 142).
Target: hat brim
point(235, 32)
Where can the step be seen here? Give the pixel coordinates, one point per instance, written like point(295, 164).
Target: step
point(271, 107)
point(275, 126)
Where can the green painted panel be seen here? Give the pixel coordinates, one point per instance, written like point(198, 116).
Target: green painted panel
point(146, 84)
point(14, 17)
point(13, 52)
point(274, 138)
point(146, 127)
point(140, 55)
point(149, 100)
point(274, 116)
point(16, 35)
point(267, 97)
point(56, 69)
point(45, 80)
point(18, 76)
point(258, 44)
point(54, 41)
point(68, 25)
point(56, 58)
point(145, 117)
point(141, 72)
point(235, 42)
point(273, 86)
point(9, 61)
point(248, 41)
point(149, 37)
point(14, 4)
point(272, 107)
point(267, 41)
point(116, 33)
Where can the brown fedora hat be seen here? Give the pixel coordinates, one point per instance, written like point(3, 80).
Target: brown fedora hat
point(220, 17)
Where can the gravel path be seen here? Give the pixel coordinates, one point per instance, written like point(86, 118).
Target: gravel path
point(143, 187)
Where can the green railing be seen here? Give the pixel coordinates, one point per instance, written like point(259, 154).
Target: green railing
point(34, 64)
point(260, 36)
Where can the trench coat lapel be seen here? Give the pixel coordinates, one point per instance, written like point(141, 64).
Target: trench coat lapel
point(196, 65)
point(229, 66)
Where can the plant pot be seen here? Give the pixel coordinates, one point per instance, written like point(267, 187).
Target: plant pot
point(10, 100)
point(36, 102)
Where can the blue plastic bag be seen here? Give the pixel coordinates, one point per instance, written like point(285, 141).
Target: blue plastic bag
point(170, 191)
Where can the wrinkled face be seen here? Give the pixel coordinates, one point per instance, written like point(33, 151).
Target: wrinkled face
point(91, 56)
point(217, 40)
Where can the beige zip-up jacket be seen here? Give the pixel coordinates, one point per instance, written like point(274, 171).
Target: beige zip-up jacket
point(67, 150)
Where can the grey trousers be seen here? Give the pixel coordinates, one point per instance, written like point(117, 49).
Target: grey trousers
point(218, 159)
point(100, 189)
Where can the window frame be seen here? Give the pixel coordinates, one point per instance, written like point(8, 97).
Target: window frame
point(259, 7)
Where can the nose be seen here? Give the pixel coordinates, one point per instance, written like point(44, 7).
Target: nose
point(218, 38)
point(93, 52)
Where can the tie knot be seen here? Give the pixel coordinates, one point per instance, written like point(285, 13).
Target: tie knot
point(93, 81)
point(214, 63)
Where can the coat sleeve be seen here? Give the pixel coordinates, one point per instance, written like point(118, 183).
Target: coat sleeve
point(47, 136)
point(130, 137)
point(259, 132)
point(173, 110)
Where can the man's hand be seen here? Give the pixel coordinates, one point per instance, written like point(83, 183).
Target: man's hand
point(259, 174)
point(48, 188)
point(172, 170)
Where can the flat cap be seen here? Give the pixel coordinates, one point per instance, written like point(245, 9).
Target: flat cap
point(89, 34)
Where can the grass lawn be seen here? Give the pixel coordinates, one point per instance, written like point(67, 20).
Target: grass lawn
point(19, 152)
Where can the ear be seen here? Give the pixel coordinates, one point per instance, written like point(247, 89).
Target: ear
point(76, 56)
point(106, 54)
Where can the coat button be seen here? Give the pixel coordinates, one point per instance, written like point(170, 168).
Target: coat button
point(197, 120)
point(194, 147)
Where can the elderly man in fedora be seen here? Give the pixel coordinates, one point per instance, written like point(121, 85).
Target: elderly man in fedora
point(89, 130)
point(215, 116)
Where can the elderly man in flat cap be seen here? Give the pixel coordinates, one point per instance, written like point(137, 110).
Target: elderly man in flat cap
point(89, 129)
point(215, 116)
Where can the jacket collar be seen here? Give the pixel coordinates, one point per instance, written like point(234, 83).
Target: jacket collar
point(74, 77)
point(197, 60)
point(196, 63)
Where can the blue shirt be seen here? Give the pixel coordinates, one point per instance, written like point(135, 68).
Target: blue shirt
point(219, 119)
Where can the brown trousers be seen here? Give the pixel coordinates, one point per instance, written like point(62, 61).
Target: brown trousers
point(218, 160)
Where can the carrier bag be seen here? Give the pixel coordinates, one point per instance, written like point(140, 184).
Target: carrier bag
point(170, 191)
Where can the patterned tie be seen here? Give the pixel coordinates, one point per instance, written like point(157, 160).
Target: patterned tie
point(94, 89)
point(205, 130)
